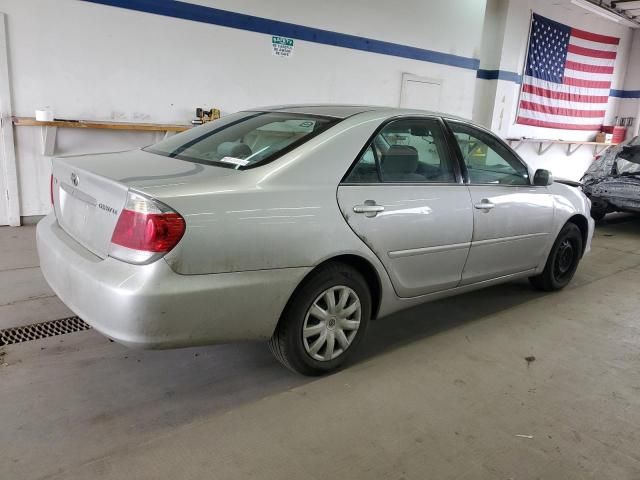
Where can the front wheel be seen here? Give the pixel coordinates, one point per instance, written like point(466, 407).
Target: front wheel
point(562, 262)
point(324, 321)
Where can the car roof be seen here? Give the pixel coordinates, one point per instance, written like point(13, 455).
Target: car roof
point(343, 111)
point(326, 110)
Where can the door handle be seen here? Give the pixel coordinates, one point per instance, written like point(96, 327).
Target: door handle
point(369, 208)
point(485, 204)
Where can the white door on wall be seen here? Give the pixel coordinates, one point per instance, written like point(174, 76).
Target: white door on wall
point(420, 92)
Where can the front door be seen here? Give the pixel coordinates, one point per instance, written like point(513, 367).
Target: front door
point(512, 218)
point(405, 199)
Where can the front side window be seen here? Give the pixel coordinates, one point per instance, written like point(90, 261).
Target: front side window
point(407, 150)
point(487, 159)
point(244, 139)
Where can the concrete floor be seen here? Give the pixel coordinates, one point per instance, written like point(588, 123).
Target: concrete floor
point(440, 391)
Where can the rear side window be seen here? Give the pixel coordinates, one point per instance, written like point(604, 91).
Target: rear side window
point(487, 159)
point(244, 139)
point(405, 151)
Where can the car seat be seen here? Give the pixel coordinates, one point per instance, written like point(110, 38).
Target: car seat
point(399, 164)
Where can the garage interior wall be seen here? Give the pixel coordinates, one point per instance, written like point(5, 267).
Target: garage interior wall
point(629, 101)
point(98, 62)
point(500, 116)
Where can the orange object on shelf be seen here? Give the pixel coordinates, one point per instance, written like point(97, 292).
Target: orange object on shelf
point(619, 133)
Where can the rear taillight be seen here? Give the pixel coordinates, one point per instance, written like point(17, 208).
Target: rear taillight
point(146, 230)
point(51, 188)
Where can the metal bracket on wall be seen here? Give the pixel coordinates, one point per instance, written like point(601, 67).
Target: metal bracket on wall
point(571, 151)
point(600, 151)
point(513, 143)
point(542, 150)
point(572, 145)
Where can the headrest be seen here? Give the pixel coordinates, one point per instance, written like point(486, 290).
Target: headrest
point(400, 159)
point(234, 149)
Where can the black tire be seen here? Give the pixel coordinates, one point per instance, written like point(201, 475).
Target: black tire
point(287, 343)
point(562, 262)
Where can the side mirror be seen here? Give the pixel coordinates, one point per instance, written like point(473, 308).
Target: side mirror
point(542, 178)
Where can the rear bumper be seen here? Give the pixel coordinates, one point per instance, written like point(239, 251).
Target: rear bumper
point(151, 306)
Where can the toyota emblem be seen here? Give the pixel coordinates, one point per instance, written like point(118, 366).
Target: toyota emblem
point(75, 180)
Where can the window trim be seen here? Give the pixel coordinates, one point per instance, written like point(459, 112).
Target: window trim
point(467, 180)
point(453, 156)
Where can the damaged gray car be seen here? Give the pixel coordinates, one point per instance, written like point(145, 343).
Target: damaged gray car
point(612, 182)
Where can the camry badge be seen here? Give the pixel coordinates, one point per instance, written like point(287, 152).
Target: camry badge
point(75, 180)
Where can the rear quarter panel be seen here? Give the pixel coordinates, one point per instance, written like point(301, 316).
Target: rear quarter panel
point(280, 215)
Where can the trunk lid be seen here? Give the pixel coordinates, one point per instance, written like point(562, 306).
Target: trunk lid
point(89, 191)
point(87, 205)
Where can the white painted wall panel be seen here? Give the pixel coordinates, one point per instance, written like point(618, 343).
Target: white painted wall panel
point(89, 61)
point(453, 26)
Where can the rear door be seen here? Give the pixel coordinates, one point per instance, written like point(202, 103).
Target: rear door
point(512, 218)
point(404, 198)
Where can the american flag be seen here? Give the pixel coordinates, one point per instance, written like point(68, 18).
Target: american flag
point(567, 77)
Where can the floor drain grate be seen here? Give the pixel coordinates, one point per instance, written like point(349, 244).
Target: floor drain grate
point(37, 331)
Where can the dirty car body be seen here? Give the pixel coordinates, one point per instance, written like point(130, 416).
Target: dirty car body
point(612, 182)
point(207, 236)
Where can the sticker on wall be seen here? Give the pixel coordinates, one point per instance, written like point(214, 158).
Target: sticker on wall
point(282, 46)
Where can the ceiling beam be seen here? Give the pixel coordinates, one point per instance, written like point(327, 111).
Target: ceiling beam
point(628, 5)
point(607, 12)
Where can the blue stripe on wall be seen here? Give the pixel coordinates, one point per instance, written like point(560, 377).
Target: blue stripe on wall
point(224, 18)
point(625, 93)
point(499, 75)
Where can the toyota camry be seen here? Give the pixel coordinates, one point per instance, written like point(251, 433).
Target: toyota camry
point(298, 225)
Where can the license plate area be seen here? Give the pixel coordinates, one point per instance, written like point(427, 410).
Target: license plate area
point(76, 210)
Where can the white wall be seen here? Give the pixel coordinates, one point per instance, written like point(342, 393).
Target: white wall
point(490, 55)
point(143, 67)
point(89, 61)
point(630, 107)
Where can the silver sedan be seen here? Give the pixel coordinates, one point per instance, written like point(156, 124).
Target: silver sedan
point(299, 225)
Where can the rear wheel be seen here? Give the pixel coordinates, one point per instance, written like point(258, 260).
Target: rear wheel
point(324, 321)
point(563, 260)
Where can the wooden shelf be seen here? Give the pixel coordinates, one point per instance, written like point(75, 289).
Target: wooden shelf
point(49, 130)
point(147, 127)
point(545, 144)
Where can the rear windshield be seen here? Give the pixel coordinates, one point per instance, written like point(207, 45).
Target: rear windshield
point(244, 139)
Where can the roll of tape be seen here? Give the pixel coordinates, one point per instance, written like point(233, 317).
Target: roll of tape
point(44, 114)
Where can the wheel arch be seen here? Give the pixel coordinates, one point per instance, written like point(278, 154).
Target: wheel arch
point(362, 265)
point(583, 224)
